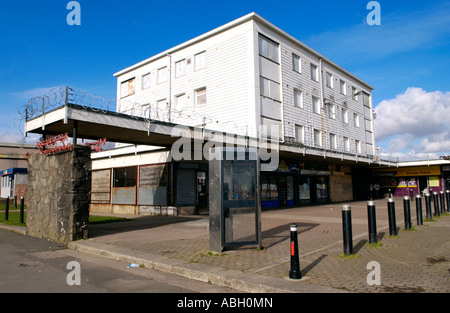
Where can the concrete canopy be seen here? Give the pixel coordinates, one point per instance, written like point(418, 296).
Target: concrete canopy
point(88, 123)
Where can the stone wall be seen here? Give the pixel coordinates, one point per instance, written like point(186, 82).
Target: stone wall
point(59, 195)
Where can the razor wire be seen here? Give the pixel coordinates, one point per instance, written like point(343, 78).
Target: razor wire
point(162, 112)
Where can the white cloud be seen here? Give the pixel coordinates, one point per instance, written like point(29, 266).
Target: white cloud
point(416, 122)
point(10, 137)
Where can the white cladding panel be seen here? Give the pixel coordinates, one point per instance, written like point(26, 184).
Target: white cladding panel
point(219, 85)
point(224, 72)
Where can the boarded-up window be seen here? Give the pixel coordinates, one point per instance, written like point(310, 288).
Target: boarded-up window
point(153, 185)
point(127, 88)
point(101, 186)
point(153, 176)
point(124, 185)
point(268, 48)
point(200, 97)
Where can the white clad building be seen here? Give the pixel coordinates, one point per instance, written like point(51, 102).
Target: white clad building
point(245, 75)
point(249, 73)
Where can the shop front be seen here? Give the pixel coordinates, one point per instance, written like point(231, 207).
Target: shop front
point(410, 181)
point(291, 184)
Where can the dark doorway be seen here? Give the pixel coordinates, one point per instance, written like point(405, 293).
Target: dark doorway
point(202, 193)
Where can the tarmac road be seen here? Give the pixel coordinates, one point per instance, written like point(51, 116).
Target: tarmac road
point(32, 265)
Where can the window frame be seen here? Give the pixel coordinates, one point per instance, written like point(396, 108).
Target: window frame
point(343, 87)
point(270, 93)
point(354, 95)
point(198, 95)
point(302, 129)
point(332, 111)
point(203, 64)
point(333, 141)
point(316, 107)
point(183, 67)
point(125, 183)
point(296, 104)
point(129, 83)
point(317, 132)
point(344, 115)
point(296, 60)
point(271, 44)
point(143, 80)
point(159, 77)
point(329, 80)
point(356, 120)
point(358, 146)
point(314, 72)
point(346, 144)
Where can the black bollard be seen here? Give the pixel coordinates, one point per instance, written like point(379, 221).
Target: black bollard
point(428, 206)
point(7, 209)
point(372, 222)
point(21, 209)
point(442, 202)
point(407, 210)
point(436, 204)
point(294, 273)
point(347, 229)
point(390, 193)
point(419, 210)
point(392, 221)
point(448, 200)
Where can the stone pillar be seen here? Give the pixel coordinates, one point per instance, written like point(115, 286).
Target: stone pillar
point(59, 195)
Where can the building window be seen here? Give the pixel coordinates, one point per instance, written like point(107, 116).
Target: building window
point(333, 141)
point(346, 144)
point(358, 146)
point(298, 98)
point(343, 87)
point(317, 138)
point(180, 102)
point(366, 100)
point(200, 60)
point(127, 88)
point(180, 68)
point(296, 63)
point(200, 97)
point(161, 110)
point(314, 72)
point(146, 81)
point(162, 75)
point(329, 78)
point(268, 49)
point(299, 133)
point(332, 111)
point(345, 115)
point(316, 105)
point(125, 177)
point(270, 89)
point(354, 95)
point(356, 119)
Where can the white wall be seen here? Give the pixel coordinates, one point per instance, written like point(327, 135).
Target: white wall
point(226, 78)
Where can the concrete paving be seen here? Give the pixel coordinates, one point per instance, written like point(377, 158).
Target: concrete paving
point(417, 260)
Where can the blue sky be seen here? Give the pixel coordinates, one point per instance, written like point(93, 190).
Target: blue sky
point(405, 58)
